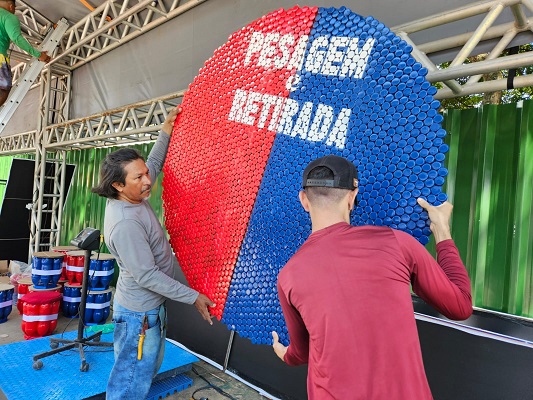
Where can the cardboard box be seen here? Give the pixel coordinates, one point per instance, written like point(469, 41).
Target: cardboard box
point(4, 267)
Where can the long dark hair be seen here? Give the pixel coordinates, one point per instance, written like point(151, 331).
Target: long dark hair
point(112, 170)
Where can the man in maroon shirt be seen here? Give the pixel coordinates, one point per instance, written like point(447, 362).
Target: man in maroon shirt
point(346, 297)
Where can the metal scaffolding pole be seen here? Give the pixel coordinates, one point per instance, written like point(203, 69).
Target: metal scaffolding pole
point(40, 165)
point(485, 67)
point(59, 108)
point(58, 212)
point(115, 23)
point(49, 187)
point(32, 23)
point(454, 75)
point(21, 143)
point(134, 123)
point(35, 216)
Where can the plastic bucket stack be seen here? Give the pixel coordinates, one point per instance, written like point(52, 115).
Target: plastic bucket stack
point(39, 314)
point(97, 307)
point(23, 287)
point(6, 300)
point(75, 264)
point(63, 250)
point(71, 300)
point(101, 270)
point(46, 269)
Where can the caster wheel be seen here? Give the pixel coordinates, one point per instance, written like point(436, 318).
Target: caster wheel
point(37, 365)
point(54, 345)
point(84, 367)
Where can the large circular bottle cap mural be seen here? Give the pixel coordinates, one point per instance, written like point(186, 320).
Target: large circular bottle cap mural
point(290, 87)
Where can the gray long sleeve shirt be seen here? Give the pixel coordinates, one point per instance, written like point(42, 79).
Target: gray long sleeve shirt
point(135, 237)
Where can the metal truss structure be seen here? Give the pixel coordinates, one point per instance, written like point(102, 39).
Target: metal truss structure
point(110, 25)
point(53, 107)
point(116, 22)
point(33, 24)
point(21, 143)
point(34, 27)
point(130, 124)
point(496, 60)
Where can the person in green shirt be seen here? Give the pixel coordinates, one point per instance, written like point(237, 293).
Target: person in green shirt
point(10, 32)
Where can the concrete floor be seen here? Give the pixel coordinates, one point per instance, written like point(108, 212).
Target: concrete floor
point(228, 384)
point(10, 332)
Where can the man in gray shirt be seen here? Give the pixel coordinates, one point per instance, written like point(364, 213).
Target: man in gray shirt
point(136, 239)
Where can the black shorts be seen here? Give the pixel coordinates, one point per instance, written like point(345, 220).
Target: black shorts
point(6, 77)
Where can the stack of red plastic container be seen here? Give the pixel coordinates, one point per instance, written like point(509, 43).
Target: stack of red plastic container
point(39, 314)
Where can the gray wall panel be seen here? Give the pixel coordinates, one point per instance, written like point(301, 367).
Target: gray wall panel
point(26, 116)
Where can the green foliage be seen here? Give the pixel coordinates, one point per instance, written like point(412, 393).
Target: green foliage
point(507, 96)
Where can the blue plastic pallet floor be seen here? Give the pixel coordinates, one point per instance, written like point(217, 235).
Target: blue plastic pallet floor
point(61, 378)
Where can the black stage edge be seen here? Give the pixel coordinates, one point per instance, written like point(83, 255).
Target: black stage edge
point(463, 366)
point(504, 324)
point(459, 365)
point(257, 364)
point(186, 326)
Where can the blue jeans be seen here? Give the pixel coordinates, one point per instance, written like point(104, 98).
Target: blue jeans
point(131, 378)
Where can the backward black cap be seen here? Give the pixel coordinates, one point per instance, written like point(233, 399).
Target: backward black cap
point(344, 173)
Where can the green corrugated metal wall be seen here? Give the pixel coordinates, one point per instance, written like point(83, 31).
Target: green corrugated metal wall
point(490, 183)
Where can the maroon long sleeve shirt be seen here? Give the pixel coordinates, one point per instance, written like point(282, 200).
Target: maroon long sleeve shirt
point(347, 303)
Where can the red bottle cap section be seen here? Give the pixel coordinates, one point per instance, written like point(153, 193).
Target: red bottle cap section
point(215, 165)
